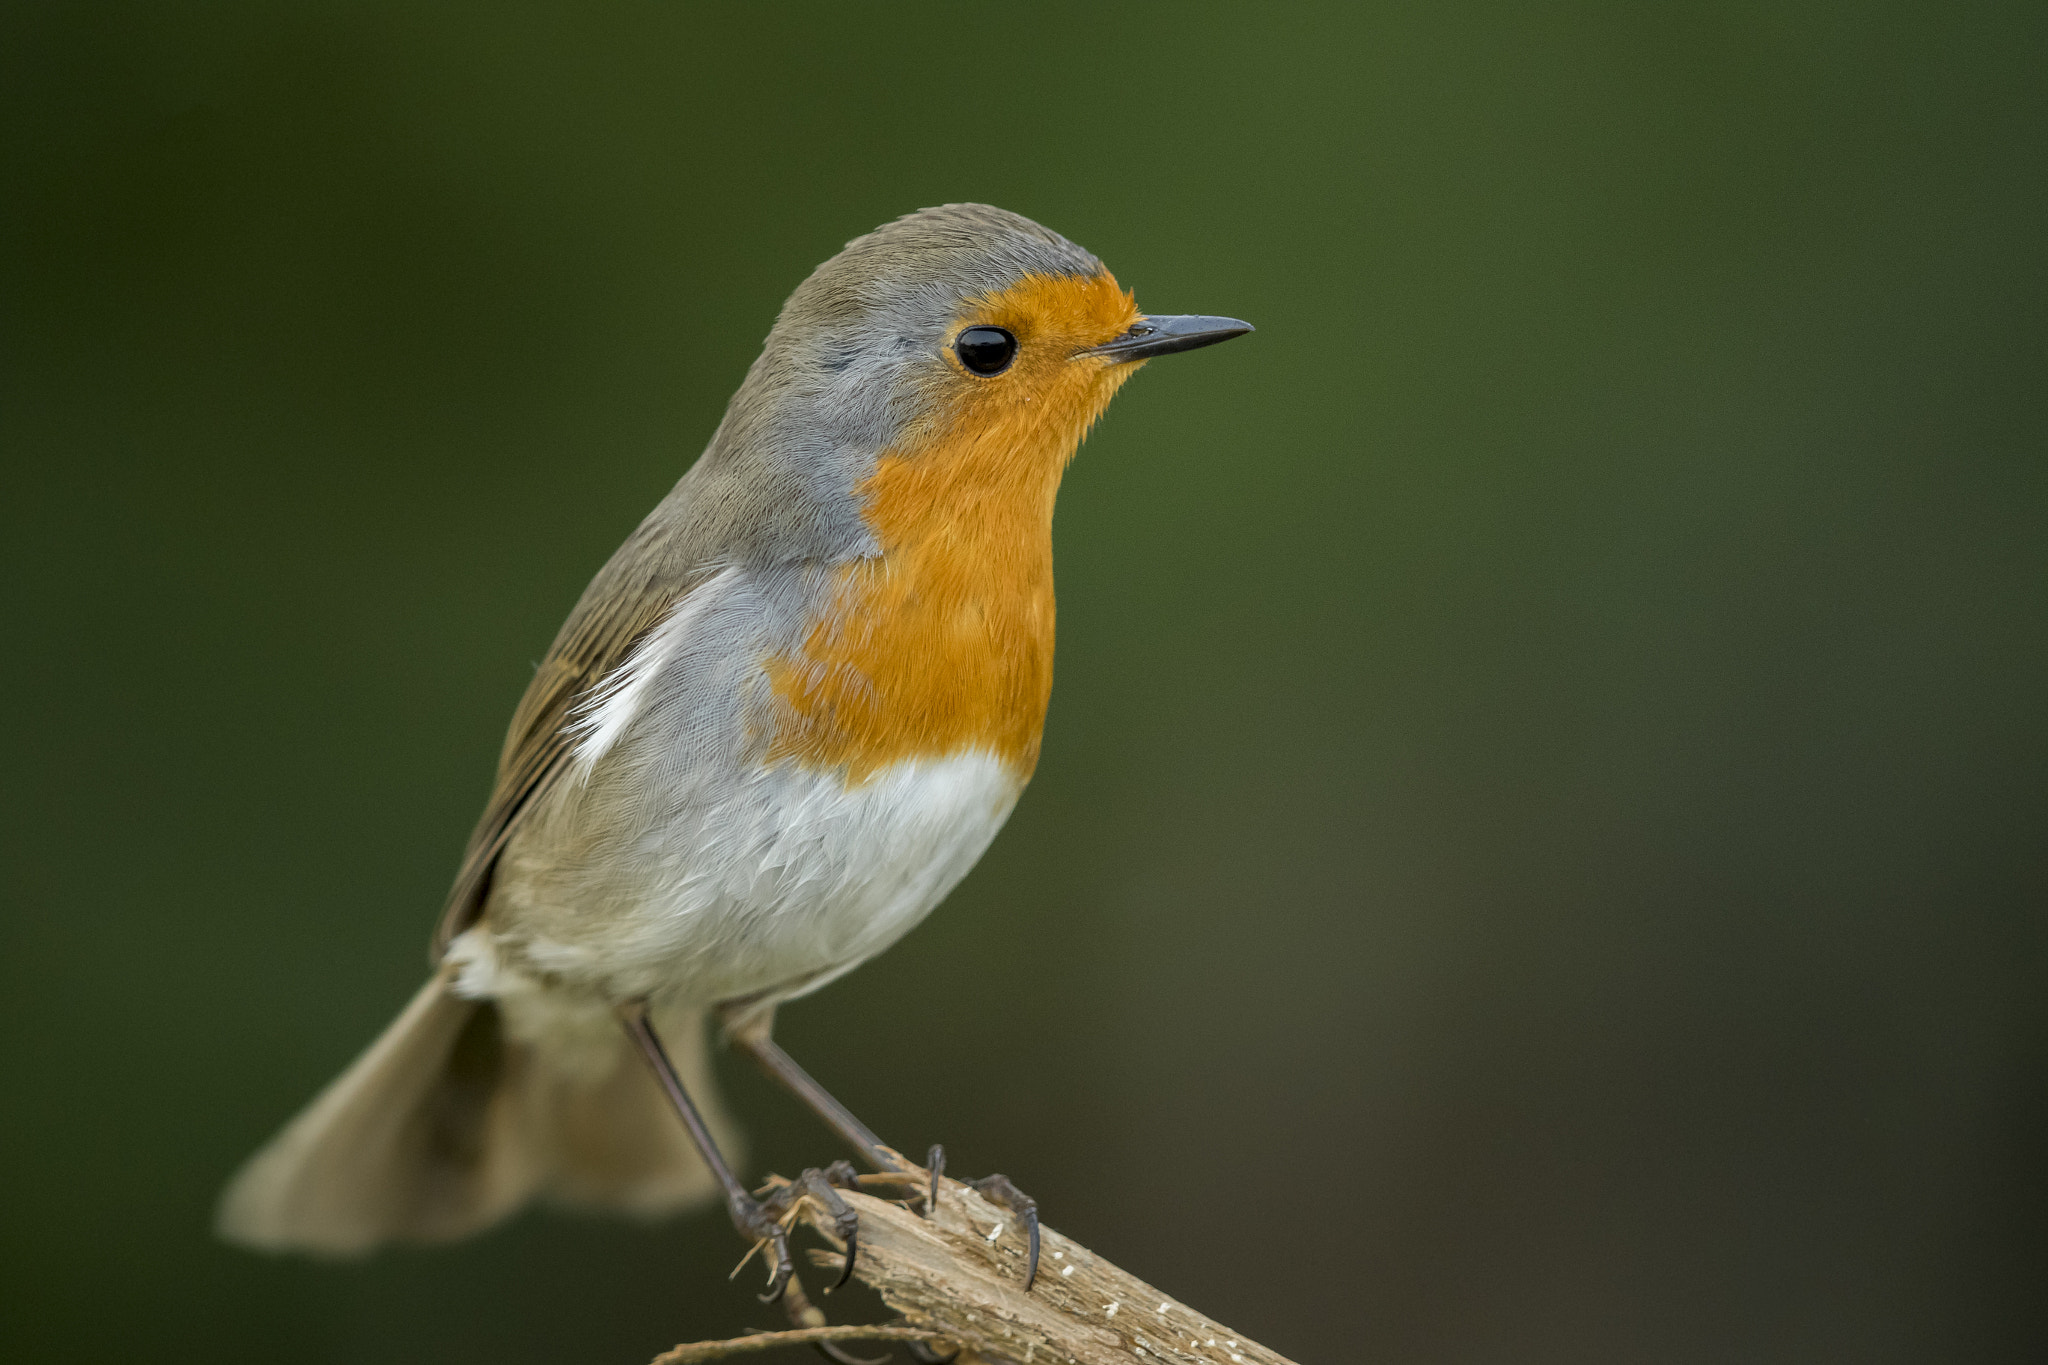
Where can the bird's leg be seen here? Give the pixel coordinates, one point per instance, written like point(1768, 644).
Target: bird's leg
point(748, 1031)
point(754, 1220)
point(752, 1038)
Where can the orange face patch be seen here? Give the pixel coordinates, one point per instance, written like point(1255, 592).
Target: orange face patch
point(945, 641)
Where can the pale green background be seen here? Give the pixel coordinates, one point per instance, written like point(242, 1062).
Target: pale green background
point(1541, 847)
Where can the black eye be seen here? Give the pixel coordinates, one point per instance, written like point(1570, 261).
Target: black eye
point(985, 350)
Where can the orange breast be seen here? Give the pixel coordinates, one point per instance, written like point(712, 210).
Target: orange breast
point(944, 642)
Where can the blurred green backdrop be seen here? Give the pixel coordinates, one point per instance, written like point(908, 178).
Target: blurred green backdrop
point(1541, 846)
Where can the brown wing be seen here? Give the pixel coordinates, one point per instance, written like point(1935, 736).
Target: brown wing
point(617, 609)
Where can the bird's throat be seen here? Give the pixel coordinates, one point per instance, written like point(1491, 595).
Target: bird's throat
point(942, 643)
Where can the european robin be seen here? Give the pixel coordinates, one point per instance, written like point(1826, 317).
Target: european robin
point(784, 719)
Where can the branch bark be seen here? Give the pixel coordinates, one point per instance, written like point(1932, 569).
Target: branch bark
point(959, 1277)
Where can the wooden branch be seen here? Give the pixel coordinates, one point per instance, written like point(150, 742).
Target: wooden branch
point(691, 1352)
point(958, 1277)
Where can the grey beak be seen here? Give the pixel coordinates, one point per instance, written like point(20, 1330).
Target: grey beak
point(1164, 334)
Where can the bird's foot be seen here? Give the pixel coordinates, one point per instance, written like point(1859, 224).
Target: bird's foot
point(783, 1201)
point(998, 1190)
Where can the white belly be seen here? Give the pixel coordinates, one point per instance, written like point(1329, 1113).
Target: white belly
point(774, 887)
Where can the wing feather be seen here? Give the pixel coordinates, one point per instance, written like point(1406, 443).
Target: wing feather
point(619, 608)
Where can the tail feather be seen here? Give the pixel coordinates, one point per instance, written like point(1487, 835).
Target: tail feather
point(446, 1126)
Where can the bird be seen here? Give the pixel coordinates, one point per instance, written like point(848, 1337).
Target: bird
point(785, 718)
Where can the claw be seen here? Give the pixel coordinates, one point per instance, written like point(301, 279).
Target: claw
point(999, 1190)
point(935, 1162)
point(778, 1277)
point(1030, 1217)
point(840, 1175)
point(927, 1356)
point(852, 1251)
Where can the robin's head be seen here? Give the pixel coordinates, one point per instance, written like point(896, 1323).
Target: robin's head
point(964, 335)
point(907, 425)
